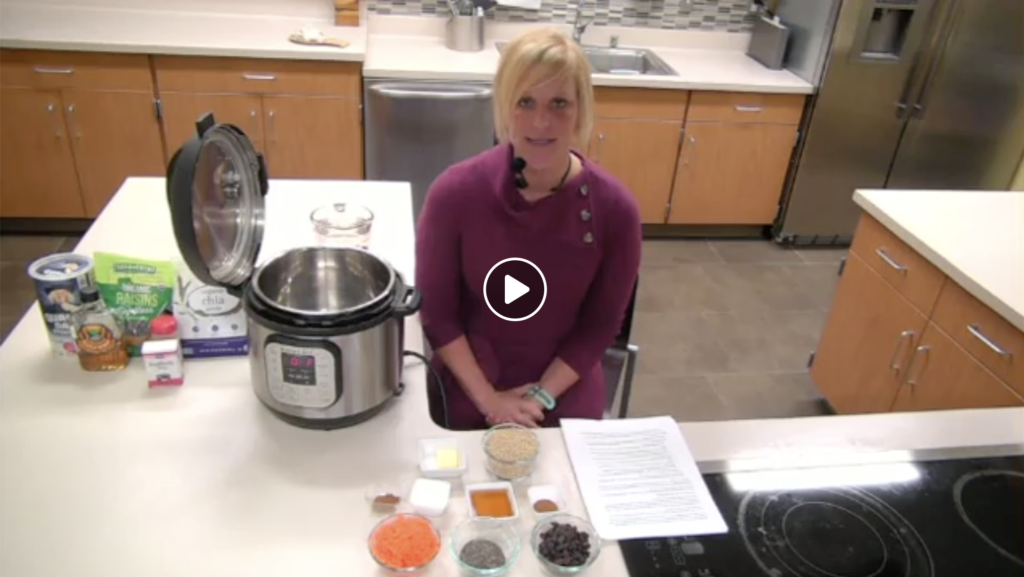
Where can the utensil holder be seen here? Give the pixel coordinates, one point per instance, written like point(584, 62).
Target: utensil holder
point(464, 33)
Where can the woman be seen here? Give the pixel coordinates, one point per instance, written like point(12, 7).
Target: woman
point(533, 196)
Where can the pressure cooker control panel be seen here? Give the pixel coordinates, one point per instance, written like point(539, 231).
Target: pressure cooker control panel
point(303, 373)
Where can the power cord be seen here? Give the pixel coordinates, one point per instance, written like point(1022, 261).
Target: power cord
point(437, 379)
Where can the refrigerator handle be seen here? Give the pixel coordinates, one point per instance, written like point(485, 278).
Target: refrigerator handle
point(908, 83)
point(915, 66)
point(946, 31)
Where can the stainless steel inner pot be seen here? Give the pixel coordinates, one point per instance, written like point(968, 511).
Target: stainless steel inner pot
point(324, 281)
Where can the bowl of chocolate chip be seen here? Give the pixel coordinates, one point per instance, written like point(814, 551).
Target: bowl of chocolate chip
point(565, 544)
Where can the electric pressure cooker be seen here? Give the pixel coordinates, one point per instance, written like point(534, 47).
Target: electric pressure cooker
point(325, 323)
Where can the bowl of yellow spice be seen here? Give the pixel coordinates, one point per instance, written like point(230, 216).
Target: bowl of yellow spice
point(511, 451)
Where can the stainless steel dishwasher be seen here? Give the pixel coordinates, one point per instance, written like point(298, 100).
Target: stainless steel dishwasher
point(415, 129)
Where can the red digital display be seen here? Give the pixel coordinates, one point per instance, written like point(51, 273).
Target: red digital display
point(298, 369)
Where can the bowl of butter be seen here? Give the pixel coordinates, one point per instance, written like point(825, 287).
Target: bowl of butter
point(441, 458)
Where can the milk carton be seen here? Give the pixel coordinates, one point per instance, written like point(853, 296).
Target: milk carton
point(211, 322)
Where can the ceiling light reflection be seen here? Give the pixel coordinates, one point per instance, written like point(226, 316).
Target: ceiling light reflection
point(865, 475)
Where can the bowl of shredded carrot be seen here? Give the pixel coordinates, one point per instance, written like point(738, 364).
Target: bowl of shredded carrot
point(404, 543)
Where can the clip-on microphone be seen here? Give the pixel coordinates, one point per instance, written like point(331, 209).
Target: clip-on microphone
point(518, 164)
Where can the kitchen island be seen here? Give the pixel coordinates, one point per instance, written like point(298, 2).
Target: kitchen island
point(100, 476)
point(929, 313)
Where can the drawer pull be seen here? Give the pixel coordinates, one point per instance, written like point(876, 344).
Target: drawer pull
point(911, 379)
point(741, 108)
point(894, 360)
point(976, 331)
point(266, 77)
point(45, 70)
point(52, 109)
point(889, 260)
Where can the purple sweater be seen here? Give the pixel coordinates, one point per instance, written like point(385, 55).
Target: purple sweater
point(474, 217)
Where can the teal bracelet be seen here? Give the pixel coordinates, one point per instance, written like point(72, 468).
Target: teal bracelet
point(545, 398)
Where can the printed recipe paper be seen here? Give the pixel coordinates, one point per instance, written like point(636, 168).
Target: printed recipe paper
point(639, 480)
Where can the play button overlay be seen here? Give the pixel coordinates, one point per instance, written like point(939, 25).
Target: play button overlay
point(515, 289)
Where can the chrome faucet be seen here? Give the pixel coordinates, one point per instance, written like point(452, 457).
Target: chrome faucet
point(578, 25)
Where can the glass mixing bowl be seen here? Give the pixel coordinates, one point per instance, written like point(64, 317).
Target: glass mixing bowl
point(501, 534)
point(506, 446)
point(409, 570)
point(342, 225)
point(578, 522)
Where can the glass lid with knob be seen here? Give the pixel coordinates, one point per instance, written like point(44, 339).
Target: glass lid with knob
point(216, 184)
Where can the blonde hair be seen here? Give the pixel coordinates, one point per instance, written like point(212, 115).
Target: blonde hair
point(535, 57)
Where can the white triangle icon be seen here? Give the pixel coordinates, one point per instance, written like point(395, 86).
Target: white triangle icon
point(514, 289)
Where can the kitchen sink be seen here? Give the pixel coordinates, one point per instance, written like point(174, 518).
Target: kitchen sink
point(621, 61)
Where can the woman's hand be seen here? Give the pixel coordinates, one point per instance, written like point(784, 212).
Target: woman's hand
point(513, 406)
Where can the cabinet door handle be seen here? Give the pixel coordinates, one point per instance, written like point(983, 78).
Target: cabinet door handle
point(255, 122)
point(52, 109)
point(264, 77)
point(48, 70)
point(271, 132)
point(72, 123)
point(600, 146)
point(741, 108)
point(911, 378)
point(894, 360)
point(976, 331)
point(693, 145)
point(889, 260)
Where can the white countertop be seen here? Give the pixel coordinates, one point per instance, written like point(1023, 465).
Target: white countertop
point(201, 480)
point(975, 237)
point(710, 69)
point(168, 32)
point(392, 47)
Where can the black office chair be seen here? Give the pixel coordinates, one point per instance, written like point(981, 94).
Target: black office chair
point(619, 363)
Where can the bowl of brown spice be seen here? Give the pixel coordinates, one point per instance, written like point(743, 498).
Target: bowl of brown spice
point(546, 500)
point(384, 498)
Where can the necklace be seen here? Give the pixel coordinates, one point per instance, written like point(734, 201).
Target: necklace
point(565, 176)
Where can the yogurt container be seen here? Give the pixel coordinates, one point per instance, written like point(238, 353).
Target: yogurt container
point(60, 280)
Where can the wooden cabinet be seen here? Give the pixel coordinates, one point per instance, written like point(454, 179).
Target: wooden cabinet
point(38, 175)
point(114, 135)
point(305, 117)
point(916, 279)
point(731, 173)
point(901, 336)
point(985, 335)
point(641, 154)
point(736, 152)
point(727, 169)
point(74, 127)
point(636, 139)
point(182, 110)
point(942, 375)
point(313, 137)
point(867, 342)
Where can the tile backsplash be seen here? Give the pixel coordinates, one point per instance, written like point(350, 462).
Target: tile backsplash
point(716, 15)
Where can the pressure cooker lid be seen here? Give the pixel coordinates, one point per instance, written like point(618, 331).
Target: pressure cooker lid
point(215, 188)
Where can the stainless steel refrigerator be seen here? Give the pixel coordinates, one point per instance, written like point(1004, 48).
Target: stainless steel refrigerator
point(925, 94)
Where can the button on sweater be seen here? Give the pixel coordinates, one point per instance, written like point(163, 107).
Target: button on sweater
point(586, 240)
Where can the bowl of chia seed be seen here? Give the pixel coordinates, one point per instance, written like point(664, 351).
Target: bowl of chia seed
point(484, 547)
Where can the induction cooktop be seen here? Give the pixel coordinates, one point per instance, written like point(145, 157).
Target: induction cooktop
point(956, 518)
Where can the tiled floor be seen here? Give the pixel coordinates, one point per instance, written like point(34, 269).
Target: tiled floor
point(724, 327)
